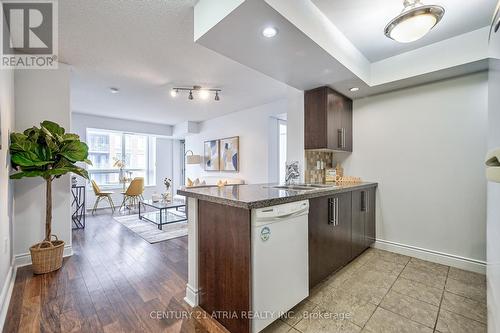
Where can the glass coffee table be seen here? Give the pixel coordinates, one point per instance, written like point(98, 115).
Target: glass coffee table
point(164, 212)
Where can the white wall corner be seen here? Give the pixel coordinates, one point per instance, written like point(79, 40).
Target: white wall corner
point(186, 128)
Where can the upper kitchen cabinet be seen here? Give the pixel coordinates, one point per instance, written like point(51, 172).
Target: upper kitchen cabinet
point(328, 120)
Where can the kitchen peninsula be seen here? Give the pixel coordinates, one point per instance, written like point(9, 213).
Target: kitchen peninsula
point(310, 231)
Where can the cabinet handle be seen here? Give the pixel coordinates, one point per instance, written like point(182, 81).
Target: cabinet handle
point(363, 201)
point(343, 137)
point(336, 211)
point(367, 201)
point(340, 138)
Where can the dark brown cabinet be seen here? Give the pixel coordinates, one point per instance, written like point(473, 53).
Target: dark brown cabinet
point(341, 227)
point(329, 235)
point(328, 120)
point(363, 220)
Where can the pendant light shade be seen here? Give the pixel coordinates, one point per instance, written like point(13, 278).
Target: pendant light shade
point(414, 22)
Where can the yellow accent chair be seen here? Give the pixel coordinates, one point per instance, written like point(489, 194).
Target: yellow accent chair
point(133, 193)
point(100, 195)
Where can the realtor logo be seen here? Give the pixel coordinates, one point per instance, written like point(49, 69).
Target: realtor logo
point(29, 34)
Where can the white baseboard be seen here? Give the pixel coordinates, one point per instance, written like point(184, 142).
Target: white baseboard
point(192, 297)
point(6, 294)
point(468, 264)
point(24, 259)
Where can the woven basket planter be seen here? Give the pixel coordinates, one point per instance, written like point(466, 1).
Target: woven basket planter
point(47, 256)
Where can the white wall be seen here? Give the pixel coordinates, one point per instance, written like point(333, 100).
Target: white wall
point(6, 190)
point(253, 126)
point(167, 150)
point(295, 128)
point(425, 147)
point(493, 228)
point(41, 95)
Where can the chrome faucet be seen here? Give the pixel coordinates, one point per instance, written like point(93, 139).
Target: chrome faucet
point(292, 174)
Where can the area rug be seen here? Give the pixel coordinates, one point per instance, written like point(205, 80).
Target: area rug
point(150, 232)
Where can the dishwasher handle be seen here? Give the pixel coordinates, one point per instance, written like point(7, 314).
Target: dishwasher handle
point(280, 212)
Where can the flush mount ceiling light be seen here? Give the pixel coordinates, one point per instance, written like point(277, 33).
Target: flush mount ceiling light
point(354, 89)
point(269, 32)
point(114, 90)
point(414, 22)
point(203, 93)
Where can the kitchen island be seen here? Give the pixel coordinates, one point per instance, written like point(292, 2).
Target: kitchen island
point(221, 276)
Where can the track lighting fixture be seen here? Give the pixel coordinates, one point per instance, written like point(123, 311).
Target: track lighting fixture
point(203, 93)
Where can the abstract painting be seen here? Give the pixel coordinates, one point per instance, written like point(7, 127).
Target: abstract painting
point(212, 155)
point(229, 155)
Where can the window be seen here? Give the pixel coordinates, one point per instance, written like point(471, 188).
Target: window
point(106, 147)
point(282, 149)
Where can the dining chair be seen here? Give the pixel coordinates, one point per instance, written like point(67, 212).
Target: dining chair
point(133, 193)
point(100, 195)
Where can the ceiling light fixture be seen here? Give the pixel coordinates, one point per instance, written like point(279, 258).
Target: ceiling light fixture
point(414, 22)
point(354, 89)
point(114, 90)
point(203, 93)
point(269, 32)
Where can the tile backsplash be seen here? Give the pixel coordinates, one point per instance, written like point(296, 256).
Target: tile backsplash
point(312, 173)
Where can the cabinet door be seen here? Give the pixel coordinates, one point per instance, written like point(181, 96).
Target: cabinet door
point(358, 224)
point(334, 114)
point(370, 216)
point(315, 118)
point(321, 241)
point(342, 229)
point(347, 124)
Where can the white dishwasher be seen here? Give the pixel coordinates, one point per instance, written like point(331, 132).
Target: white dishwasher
point(280, 261)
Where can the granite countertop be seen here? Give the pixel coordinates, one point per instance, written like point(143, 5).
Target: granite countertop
point(263, 195)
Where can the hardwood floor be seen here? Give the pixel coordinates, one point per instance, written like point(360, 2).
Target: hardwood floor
point(114, 282)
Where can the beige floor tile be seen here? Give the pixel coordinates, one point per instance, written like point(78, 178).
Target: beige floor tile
point(343, 302)
point(326, 322)
point(369, 284)
point(449, 322)
point(384, 321)
point(474, 291)
point(466, 276)
point(465, 307)
point(298, 312)
point(337, 279)
point(278, 327)
point(382, 265)
point(411, 308)
point(418, 290)
point(390, 256)
point(437, 269)
point(426, 277)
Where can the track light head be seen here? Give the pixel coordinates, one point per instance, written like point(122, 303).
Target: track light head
point(190, 97)
point(217, 98)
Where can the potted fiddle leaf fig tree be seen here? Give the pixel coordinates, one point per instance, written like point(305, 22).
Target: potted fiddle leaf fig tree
point(47, 152)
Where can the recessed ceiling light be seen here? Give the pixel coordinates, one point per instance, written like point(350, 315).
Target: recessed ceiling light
point(354, 89)
point(114, 90)
point(269, 32)
point(414, 22)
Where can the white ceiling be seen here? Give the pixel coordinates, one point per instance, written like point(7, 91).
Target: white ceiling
point(144, 48)
point(363, 22)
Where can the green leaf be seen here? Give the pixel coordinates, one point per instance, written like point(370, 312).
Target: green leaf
point(75, 151)
point(28, 159)
point(89, 162)
point(52, 127)
point(32, 133)
point(71, 137)
point(23, 174)
point(80, 172)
